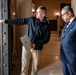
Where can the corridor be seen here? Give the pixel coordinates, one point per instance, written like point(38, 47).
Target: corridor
point(50, 63)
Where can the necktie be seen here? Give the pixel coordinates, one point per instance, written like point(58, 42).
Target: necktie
point(64, 29)
point(67, 25)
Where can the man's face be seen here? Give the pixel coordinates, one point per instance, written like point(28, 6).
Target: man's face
point(65, 15)
point(40, 14)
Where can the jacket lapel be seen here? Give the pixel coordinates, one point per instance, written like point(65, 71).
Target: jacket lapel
point(68, 29)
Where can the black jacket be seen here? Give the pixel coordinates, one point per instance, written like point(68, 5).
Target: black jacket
point(38, 32)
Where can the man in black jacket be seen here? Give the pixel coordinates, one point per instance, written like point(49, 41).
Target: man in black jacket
point(39, 34)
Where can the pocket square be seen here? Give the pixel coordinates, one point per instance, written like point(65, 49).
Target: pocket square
point(71, 30)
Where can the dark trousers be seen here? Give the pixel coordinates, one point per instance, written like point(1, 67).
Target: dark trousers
point(68, 69)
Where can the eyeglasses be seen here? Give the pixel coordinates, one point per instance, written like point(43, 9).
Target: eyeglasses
point(64, 14)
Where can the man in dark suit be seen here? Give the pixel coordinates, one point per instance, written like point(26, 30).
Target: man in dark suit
point(68, 42)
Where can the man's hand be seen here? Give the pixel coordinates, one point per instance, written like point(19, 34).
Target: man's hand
point(33, 46)
point(2, 21)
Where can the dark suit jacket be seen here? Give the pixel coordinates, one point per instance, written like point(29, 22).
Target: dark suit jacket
point(68, 44)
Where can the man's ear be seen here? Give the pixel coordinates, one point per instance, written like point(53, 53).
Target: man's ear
point(43, 14)
point(69, 13)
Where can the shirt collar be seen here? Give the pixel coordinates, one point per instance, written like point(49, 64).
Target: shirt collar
point(71, 20)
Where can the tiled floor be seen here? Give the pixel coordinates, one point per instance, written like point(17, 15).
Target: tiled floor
point(53, 69)
point(50, 63)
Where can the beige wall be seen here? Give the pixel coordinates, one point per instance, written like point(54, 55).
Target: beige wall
point(73, 4)
point(22, 8)
point(25, 10)
point(53, 6)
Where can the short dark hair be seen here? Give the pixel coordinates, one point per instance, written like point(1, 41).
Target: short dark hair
point(43, 8)
point(68, 8)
